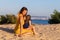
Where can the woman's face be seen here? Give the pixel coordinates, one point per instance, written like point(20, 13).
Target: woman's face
point(24, 12)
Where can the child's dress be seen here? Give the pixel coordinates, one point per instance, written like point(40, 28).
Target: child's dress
point(26, 25)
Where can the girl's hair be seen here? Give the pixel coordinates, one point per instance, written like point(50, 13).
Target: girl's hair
point(29, 17)
point(22, 9)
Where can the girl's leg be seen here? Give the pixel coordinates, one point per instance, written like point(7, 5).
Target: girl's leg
point(33, 29)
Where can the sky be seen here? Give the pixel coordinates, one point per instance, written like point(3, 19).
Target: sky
point(35, 7)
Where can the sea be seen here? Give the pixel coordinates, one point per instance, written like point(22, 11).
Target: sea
point(39, 19)
point(34, 21)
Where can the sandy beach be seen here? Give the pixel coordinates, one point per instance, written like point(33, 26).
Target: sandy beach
point(45, 32)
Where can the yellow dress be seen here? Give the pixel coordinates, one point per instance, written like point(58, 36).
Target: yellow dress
point(23, 31)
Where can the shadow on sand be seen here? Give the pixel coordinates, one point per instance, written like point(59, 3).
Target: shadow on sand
point(7, 30)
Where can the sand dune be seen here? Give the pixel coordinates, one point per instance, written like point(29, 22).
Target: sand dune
point(45, 32)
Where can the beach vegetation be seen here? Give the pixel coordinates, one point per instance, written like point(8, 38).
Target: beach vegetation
point(7, 19)
point(55, 17)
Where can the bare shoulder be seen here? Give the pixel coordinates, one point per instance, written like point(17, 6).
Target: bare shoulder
point(20, 15)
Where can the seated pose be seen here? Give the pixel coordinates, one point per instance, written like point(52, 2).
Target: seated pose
point(28, 24)
point(23, 24)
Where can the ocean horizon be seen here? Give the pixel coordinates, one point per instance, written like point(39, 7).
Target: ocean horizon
point(39, 19)
point(34, 21)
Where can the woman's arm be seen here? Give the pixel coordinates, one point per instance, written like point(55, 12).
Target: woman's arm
point(17, 22)
point(21, 22)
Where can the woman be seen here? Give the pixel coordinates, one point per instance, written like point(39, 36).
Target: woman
point(21, 17)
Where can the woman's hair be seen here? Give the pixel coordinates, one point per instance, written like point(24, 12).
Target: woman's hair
point(20, 12)
point(22, 9)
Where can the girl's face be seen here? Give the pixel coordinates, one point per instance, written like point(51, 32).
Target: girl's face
point(24, 12)
point(28, 17)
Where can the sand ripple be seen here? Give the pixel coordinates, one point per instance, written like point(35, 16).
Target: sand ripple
point(45, 32)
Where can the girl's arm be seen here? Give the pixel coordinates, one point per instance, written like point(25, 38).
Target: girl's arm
point(30, 23)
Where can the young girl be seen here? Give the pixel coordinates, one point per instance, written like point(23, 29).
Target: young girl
point(28, 24)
